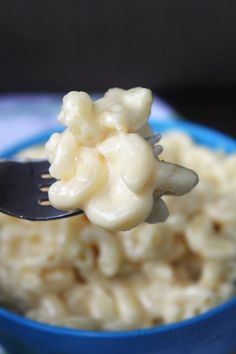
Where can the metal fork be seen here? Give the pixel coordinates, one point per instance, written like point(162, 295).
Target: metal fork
point(24, 187)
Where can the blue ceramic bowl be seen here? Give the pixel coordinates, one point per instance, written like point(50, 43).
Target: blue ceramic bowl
point(212, 332)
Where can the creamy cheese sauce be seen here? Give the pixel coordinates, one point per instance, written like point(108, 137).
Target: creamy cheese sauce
point(104, 165)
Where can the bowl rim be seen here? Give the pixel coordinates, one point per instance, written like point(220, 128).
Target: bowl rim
point(202, 134)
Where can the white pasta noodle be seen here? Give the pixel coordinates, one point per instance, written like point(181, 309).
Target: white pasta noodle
point(104, 165)
point(75, 274)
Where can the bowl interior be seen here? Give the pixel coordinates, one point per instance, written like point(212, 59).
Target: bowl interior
point(201, 135)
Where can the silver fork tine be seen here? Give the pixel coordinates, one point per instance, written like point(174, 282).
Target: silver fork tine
point(42, 196)
point(46, 182)
point(42, 166)
point(154, 139)
point(157, 149)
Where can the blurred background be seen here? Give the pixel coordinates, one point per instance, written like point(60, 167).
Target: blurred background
point(184, 50)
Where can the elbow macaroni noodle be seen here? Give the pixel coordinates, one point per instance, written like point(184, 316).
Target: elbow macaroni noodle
point(72, 273)
point(105, 166)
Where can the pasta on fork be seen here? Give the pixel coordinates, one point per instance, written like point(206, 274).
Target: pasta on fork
point(104, 165)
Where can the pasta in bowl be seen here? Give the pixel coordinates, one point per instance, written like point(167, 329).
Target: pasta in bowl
point(146, 277)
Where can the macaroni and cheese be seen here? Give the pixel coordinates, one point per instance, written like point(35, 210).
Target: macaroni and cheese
point(104, 164)
point(73, 273)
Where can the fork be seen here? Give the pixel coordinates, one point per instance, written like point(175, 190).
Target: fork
point(24, 187)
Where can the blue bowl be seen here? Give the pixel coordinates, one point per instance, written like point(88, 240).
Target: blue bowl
point(212, 332)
